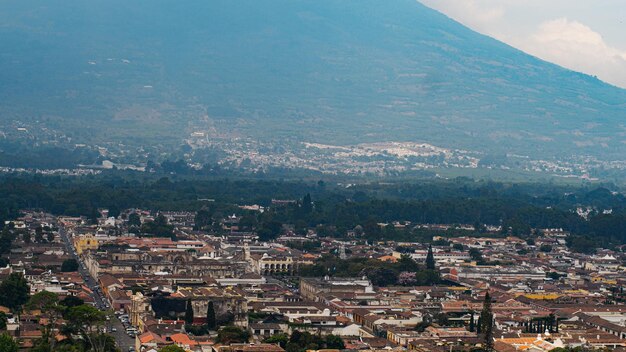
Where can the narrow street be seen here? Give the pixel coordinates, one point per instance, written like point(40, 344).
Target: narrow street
point(124, 342)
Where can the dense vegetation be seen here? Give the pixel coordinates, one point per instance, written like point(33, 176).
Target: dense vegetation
point(232, 334)
point(303, 341)
point(333, 209)
point(403, 272)
point(8, 343)
point(14, 291)
point(45, 158)
point(80, 324)
point(69, 265)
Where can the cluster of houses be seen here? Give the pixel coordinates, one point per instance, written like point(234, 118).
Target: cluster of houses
point(543, 295)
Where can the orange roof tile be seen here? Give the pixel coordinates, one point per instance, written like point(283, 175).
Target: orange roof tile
point(183, 339)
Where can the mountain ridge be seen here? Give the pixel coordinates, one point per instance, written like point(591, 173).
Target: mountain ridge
point(340, 72)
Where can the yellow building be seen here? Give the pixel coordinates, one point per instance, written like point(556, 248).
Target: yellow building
point(602, 279)
point(84, 243)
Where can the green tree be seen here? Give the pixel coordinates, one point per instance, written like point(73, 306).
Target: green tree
point(44, 301)
point(270, 230)
point(48, 303)
point(486, 323)
point(545, 248)
point(553, 275)
point(381, 276)
point(427, 277)
point(71, 301)
point(203, 219)
point(476, 255)
point(189, 313)
point(196, 330)
point(86, 317)
point(302, 341)
point(6, 240)
point(421, 327)
point(14, 291)
point(87, 321)
point(103, 343)
point(232, 334)
point(172, 348)
point(134, 220)
point(430, 259)
point(69, 265)
point(280, 338)
point(248, 221)
point(210, 316)
point(293, 347)
point(68, 347)
point(3, 321)
point(442, 319)
point(50, 236)
point(114, 211)
point(307, 204)
point(43, 345)
point(577, 349)
point(8, 344)
point(39, 235)
point(334, 342)
point(406, 263)
point(159, 227)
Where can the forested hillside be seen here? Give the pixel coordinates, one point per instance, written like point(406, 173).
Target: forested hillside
point(334, 208)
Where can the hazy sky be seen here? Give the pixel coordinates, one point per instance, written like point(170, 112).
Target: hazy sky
point(584, 35)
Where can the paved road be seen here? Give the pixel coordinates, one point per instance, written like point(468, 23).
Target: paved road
point(123, 340)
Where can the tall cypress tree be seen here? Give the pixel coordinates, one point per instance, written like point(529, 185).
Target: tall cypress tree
point(210, 316)
point(307, 204)
point(189, 313)
point(472, 327)
point(430, 259)
point(486, 322)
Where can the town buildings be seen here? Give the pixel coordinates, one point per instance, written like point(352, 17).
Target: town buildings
point(541, 299)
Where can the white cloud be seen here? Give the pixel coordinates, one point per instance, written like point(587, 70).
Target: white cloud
point(542, 28)
point(578, 47)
